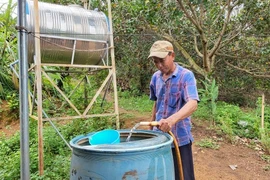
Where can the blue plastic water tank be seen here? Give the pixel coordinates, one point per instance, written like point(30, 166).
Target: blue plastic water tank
point(147, 156)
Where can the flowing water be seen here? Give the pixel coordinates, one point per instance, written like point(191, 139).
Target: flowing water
point(135, 127)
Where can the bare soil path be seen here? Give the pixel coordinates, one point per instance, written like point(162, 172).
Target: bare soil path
point(209, 164)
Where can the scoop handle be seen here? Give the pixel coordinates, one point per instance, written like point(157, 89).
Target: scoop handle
point(153, 123)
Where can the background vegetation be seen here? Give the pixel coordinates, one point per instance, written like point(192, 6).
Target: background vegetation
point(228, 54)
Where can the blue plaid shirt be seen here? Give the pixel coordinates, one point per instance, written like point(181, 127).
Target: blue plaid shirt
point(171, 95)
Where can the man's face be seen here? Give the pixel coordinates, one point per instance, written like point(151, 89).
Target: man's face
point(165, 65)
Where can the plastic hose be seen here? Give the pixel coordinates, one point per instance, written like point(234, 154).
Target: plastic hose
point(178, 155)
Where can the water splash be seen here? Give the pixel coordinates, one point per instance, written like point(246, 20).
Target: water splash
point(135, 127)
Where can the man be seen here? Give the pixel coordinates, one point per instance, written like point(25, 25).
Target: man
point(174, 90)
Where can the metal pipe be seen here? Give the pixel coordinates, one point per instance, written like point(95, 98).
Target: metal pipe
point(24, 118)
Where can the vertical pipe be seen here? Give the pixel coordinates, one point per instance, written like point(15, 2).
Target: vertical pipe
point(23, 77)
point(113, 65)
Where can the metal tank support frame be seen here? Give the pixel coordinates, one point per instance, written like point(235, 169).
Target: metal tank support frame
point(38, 68)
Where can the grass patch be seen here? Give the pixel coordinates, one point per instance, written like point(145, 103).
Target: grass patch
point(207, 143)
point(137, 103)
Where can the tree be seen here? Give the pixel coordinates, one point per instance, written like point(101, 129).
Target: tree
point(212, 37)
point(214, 29)
point(224, 34)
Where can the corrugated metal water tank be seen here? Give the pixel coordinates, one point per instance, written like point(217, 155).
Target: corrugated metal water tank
point(65, 28)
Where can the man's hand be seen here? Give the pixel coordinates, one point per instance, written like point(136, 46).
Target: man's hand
point(165, 125)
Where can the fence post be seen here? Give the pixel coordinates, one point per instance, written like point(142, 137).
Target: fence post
point(262, 115)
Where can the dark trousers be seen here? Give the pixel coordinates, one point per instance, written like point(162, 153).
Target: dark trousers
point(187, 162)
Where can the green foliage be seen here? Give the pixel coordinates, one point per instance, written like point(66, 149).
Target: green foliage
point(231, 121)
point(266, 158)
point(135, 103)
point(63, 2)
point(266, 110)
point(13, 101)
point(8, 47)
point(79, 89)
point(138, 23)
point(249, 55)
point(264, 132)
point(234, 122)
point(265, 140)
point(203, 112)
point(10, 157)
point(133, 44)
point(209, 95)
point(208, 143)
point(57, 155)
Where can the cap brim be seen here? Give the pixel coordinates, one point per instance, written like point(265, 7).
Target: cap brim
point(158, 54)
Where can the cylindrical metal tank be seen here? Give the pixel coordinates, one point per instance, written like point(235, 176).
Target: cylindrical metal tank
point(147, 156)
point(68, 34)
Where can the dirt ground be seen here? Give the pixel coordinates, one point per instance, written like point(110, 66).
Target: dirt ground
point(217, 164)
point(209, 164)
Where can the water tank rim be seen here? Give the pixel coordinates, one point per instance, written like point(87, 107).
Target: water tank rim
point(126, 146)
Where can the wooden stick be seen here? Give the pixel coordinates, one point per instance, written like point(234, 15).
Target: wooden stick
point(97, 93)
point(61, 92)
point(39, 88)
point(113, 65)
point(262, 115)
